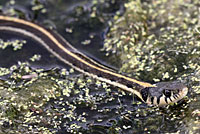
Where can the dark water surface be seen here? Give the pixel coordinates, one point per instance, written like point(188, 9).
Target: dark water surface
point(76, 103)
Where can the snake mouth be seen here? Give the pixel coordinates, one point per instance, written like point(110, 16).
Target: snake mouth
point(173, 98)
point(183, 93)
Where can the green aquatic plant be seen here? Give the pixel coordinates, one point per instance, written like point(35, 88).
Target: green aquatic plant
point(154, 41)
point(159, 41)
point(16, 44)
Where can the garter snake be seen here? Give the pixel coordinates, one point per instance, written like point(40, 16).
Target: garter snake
point(159, 94)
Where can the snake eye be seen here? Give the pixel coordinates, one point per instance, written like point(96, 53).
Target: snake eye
point(167, 93)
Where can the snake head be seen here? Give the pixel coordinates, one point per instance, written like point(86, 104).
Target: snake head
point(164, 93)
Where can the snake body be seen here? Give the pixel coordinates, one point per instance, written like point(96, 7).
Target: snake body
point(159, 94)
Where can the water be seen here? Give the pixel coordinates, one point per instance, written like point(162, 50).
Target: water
point(59, 102)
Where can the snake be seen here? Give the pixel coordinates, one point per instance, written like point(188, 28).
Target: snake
point(158, 94)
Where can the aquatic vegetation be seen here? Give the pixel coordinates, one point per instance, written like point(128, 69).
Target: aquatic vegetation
point(159, 41)
point(154, 41)
point(16, 44)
